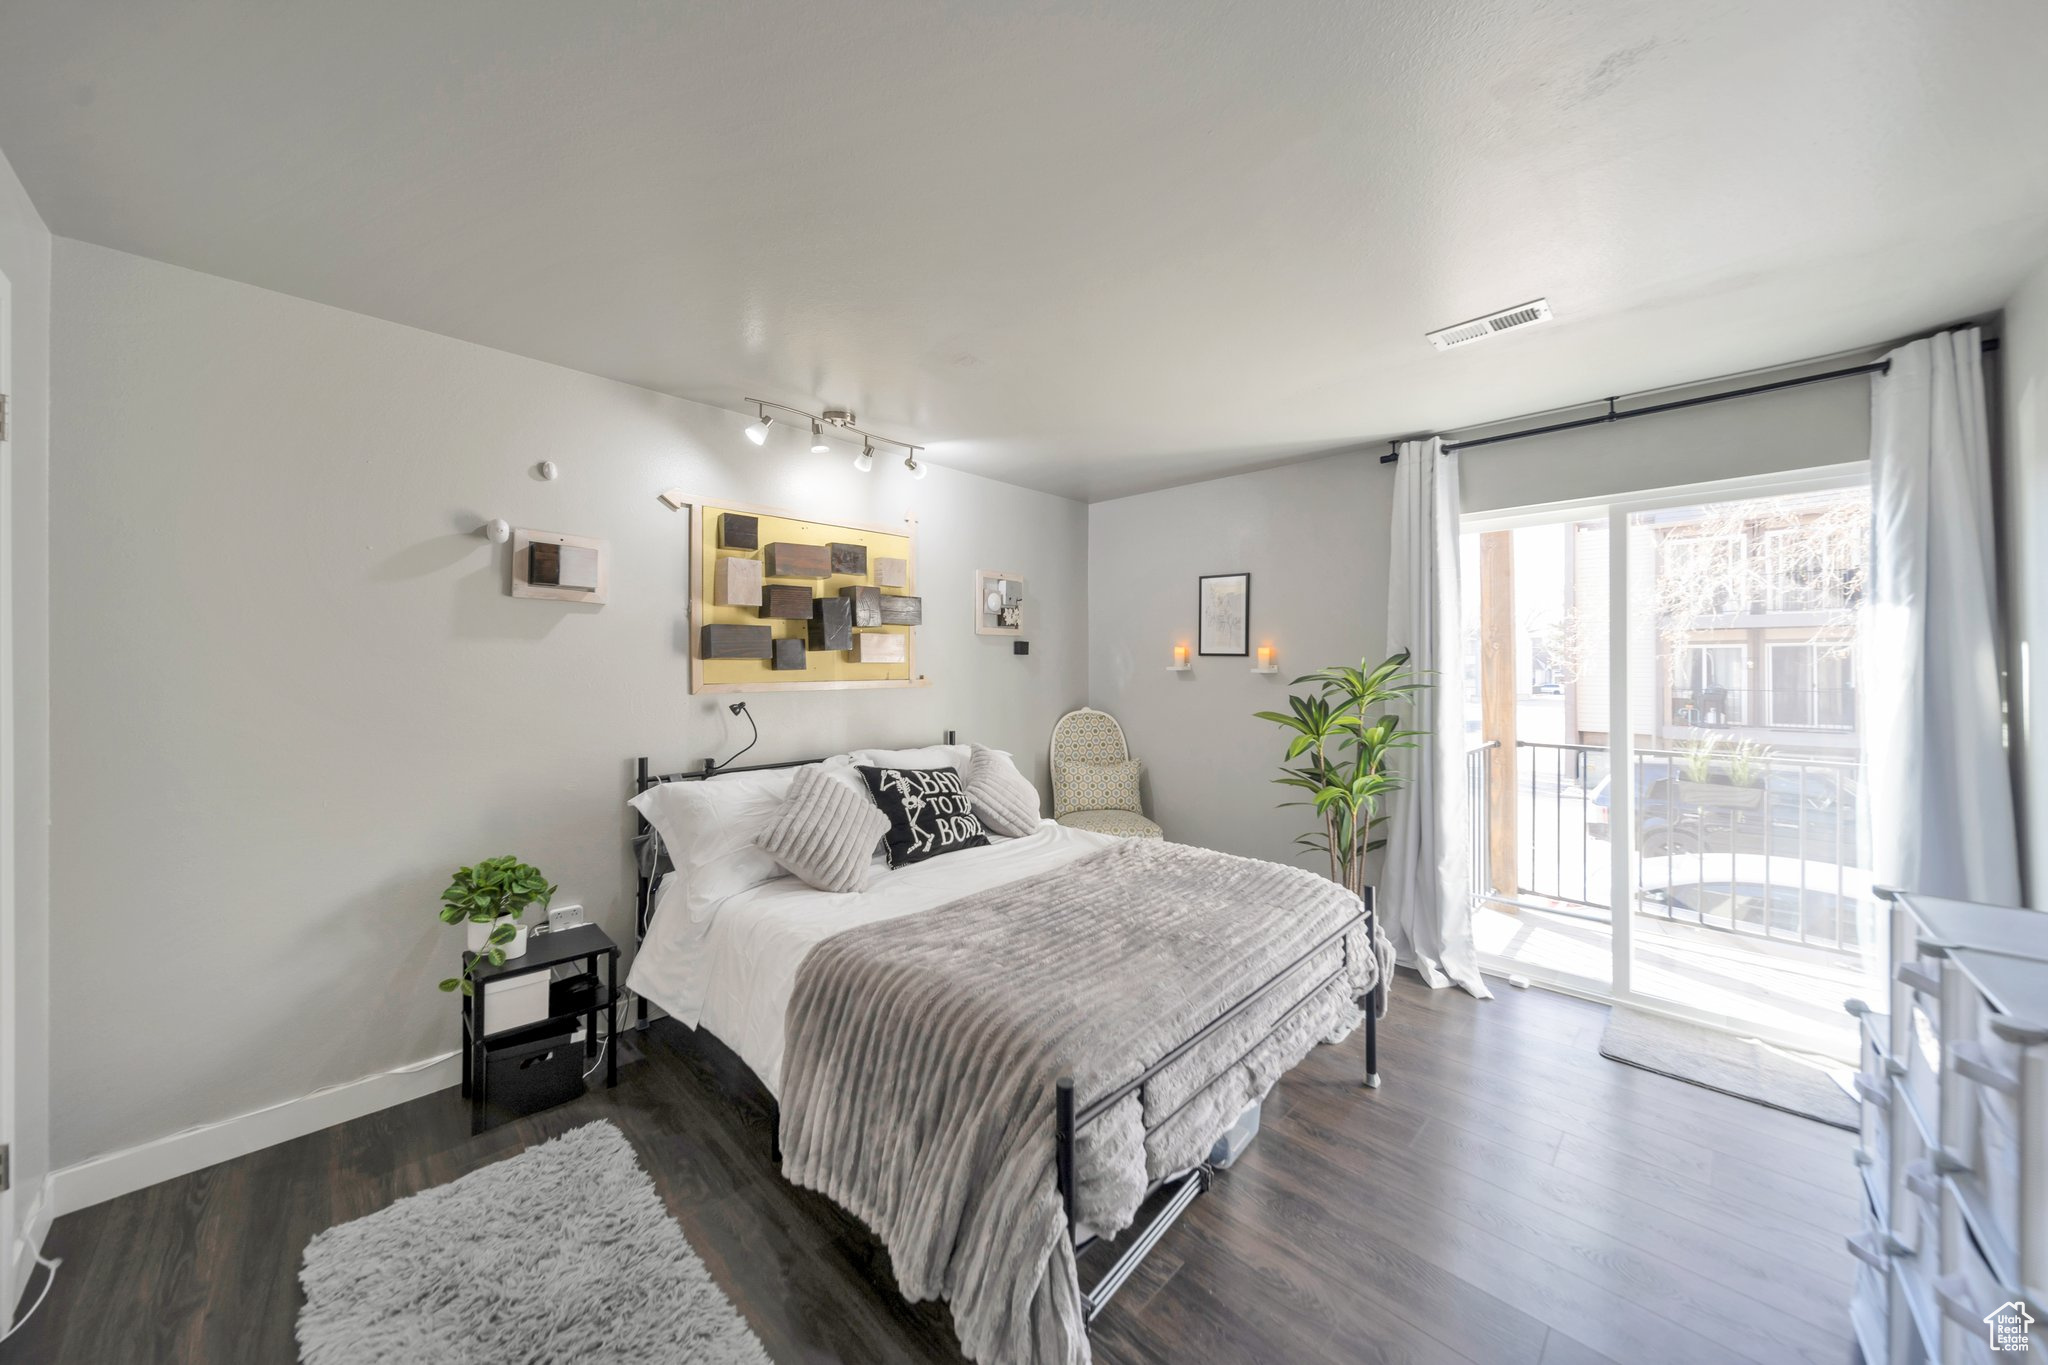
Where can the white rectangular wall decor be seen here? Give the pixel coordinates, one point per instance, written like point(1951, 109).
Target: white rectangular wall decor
point(559, 568)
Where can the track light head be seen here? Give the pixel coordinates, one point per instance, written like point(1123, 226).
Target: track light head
point(758, 432)
point(818, 444)
point(866, 459)
point(910, 463)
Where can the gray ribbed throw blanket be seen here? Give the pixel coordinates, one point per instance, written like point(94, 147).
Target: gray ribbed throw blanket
point(917, 1086)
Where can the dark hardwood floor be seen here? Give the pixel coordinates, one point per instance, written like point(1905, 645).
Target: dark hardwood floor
point(1508, 1196)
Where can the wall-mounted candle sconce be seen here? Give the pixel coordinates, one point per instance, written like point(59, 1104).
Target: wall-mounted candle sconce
point(1263, 661)
point(1180, 662)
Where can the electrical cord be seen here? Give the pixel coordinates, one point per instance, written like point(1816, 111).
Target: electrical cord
point(50, 1265)
point(739, 708)
point(625, 998)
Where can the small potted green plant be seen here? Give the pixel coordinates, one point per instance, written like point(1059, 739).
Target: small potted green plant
point(492, 896)
point(1705, 779)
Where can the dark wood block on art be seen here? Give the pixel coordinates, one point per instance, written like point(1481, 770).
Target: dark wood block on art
point(849, 559)
point(790, 653)
point(786, 560)
point(544, 564)
point(736, 642)
point(831, 623)
point(898, 610)
point(867, 605)
point(786, 602)
point(562, 566)
point(737, 532)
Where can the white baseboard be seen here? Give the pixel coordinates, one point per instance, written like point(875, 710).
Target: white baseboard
point(133, 1168)
point(35, 1226)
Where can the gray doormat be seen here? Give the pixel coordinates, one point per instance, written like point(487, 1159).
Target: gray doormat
point(1742, 1067)
point(562, 1253)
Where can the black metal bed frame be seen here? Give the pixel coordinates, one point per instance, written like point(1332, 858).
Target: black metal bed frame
point(1069, 1117)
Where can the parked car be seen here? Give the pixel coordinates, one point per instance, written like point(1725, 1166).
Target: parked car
point(1823, 902)
point(1806, 811)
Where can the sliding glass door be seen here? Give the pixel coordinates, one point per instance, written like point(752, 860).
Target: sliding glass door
point(1704, 642)
point(1535, 614)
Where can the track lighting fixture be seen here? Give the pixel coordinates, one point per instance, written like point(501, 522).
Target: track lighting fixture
point(841, 420)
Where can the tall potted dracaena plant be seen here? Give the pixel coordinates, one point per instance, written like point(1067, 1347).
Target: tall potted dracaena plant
point(1343, 734)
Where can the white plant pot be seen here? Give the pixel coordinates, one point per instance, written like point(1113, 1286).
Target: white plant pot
point(480, 936)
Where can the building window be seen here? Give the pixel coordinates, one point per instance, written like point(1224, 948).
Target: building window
point(1708, 572)
point(1812, 686)
point(1804, 570)
point(1712, 686)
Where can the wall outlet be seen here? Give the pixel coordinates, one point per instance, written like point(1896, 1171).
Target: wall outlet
point(562, 917)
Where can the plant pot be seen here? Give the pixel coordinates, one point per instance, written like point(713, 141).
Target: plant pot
point(1722, 795)
point(480, 935)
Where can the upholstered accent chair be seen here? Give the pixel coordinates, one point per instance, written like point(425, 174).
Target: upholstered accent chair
point(1094, 777)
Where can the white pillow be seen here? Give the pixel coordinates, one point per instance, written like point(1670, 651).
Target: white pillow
point(709, 829)
point(930, 756)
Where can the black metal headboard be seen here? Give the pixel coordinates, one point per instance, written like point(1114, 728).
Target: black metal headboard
point(649, 855)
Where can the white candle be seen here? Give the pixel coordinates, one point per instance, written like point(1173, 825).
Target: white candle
point(1180, 656)
point(1265, 656)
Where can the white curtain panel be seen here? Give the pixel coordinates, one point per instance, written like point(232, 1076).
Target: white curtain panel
point(1425, 900)
point(1940, 796)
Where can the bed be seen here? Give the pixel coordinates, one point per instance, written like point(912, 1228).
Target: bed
point(997, 1056)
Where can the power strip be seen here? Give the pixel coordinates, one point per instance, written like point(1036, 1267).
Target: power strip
point(563, 917)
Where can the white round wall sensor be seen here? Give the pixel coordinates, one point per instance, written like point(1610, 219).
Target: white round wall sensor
point(550, 470)
point(994, 602)
point(499, 530)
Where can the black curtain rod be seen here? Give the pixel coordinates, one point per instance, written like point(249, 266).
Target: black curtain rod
point(1874, 367)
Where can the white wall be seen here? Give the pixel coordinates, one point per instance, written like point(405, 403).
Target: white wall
point(25, 507)
point(2023, 365)
point(1314, 538)
point(292, 693)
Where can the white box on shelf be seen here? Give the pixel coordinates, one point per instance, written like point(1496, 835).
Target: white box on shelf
point(513, 1002)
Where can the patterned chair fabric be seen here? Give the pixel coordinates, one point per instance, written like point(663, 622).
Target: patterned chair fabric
point(1091, 736)
point(1122, 823)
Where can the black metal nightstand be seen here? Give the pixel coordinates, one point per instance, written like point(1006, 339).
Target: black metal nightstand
point(544, 952)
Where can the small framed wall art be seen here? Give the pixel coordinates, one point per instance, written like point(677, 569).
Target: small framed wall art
point(1224, 614)
point(998, 603)
point(558, 567)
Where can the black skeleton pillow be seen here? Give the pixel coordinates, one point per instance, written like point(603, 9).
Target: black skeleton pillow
point(928, 811)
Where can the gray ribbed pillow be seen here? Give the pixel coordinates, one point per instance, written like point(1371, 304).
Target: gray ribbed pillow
point(825, 832)
point(1004, 798)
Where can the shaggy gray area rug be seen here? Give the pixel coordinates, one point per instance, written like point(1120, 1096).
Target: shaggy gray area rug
point(562, 1253)
point(1742, 1067)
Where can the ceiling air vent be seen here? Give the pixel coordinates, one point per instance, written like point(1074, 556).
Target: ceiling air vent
point(1478, 329)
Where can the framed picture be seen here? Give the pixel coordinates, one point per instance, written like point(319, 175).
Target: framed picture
point(1224, 614)
point(998, 603)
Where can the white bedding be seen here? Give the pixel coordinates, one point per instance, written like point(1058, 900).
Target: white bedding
point(734, 972)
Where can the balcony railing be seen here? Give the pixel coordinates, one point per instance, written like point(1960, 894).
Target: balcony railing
point(1763, 846)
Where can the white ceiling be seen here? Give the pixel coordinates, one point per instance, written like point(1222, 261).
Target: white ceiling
point(1092, 248)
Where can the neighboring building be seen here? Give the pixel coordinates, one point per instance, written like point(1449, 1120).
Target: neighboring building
point(1744, 631)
